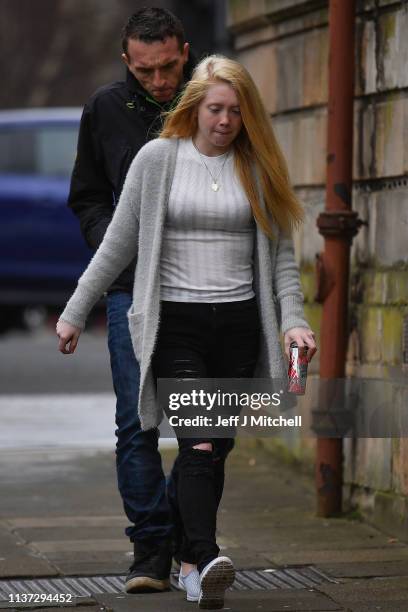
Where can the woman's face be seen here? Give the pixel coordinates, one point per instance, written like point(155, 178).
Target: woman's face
point(219, 119)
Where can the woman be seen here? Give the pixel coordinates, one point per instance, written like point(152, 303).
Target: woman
point(207, 209)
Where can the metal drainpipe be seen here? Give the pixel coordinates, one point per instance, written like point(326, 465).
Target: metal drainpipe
point(338, 224)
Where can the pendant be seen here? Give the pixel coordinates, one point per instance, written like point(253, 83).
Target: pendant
point(215, 186)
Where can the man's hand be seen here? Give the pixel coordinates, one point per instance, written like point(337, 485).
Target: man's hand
point(68, 335)
point(302, 336)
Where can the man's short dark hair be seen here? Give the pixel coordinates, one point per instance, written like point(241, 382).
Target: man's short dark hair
point(151, 24)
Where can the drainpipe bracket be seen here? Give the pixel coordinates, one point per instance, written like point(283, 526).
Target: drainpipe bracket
point(342, 224)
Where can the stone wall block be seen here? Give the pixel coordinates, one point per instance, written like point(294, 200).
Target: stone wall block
point(261, 64)
point(290, 63)
point(380, 137)
point(241, 12)
point(303, 138)
point(301, 451)
point(397, 287)
point(382, 68)
point(363, 142)
point(388, 227)
point(392, 335)
point(391, 514)
point(386, 287)
point(376, 288)
point(391, 129)
point(381, 334)
point(384, 242)
point(290, 72)
point(349, 465)
point(315, 67)
point(400, 465)
point(311, 241)
point(302, 73)
point(365, 5)
point(366, 67)
point(371, 328)
point(385, 2)
point(373, 463)
point(359, 246)
point(393, 50)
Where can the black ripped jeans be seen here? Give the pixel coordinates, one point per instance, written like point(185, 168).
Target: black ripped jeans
point(203, 340)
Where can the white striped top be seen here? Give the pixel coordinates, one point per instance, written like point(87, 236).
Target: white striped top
point(207, 251)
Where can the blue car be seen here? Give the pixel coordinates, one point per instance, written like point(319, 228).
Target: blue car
point(42, 252)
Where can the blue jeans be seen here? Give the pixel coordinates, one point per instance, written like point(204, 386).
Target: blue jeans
point(141, 480)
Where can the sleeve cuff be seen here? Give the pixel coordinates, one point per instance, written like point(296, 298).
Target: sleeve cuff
point(72, 318)
point(292, 313)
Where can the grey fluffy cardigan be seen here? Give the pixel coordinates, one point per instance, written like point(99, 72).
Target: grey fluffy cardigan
point(136, 230)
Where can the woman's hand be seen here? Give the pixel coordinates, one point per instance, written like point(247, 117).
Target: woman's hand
point(67, 334)
point(302, 336)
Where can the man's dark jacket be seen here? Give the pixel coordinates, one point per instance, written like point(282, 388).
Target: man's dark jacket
point(116, 122)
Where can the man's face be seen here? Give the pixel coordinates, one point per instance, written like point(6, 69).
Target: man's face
point(158, 66)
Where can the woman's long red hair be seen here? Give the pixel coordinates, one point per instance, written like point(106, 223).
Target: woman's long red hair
point(256, 146)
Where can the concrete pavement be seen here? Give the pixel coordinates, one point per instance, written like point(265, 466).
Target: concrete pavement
point(61, 515)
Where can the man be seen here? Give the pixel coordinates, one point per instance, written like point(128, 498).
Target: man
point(116, 122)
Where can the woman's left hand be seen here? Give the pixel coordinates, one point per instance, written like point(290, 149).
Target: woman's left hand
point(302, 336)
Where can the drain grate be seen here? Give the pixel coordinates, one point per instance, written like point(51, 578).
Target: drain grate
point(306, 577)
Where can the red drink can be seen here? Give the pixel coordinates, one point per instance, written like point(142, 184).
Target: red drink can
point(297, 372)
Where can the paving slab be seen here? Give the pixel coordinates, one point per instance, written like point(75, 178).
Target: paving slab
point(276, 601)
point(93, 568)
point(381, 590)
point(10, 542)
point(52, 546)
point(319, 557)
point(18, 560)
point(87, 602)
point(288, 516)
point(273, 539)
point(54, 534)
point(58, 483)
point(369, 569)
point(38, 522)
point(90, 562)
point(245, 558)
point(26, 566)
point(374, 606)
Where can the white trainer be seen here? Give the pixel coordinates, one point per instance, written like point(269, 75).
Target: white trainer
point(215, 579)
point(190, 584)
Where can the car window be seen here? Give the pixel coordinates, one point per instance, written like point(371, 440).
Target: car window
point(42, 150)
